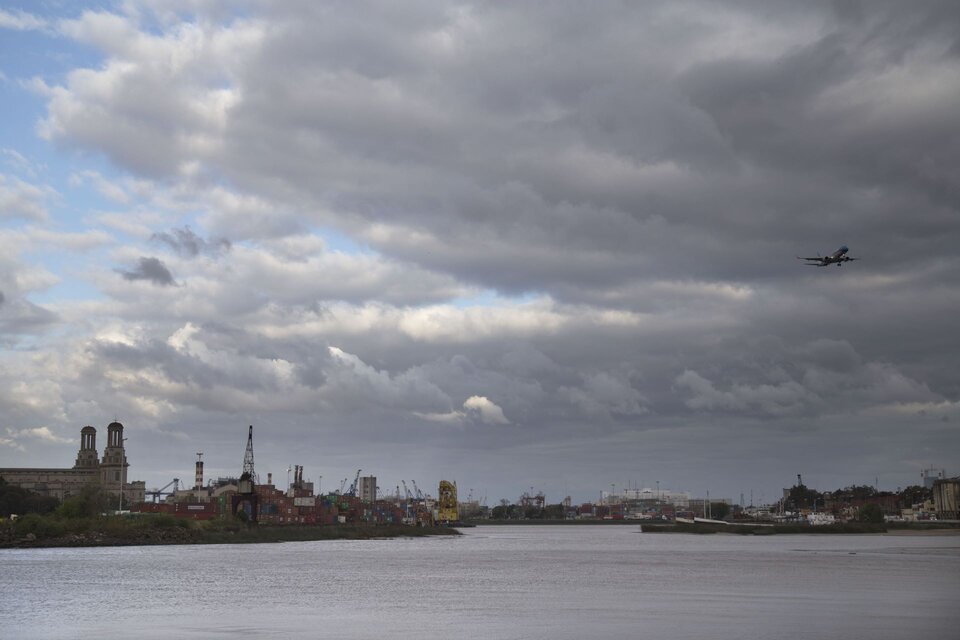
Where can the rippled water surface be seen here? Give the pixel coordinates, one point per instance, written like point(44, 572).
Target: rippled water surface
point(494, 582)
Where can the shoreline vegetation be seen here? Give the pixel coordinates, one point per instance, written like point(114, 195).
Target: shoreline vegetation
point(33, 531)
point(751, 528)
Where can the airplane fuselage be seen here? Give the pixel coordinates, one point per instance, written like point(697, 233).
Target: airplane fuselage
point(838, 257)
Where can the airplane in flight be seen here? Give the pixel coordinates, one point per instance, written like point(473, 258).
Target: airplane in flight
point(838, 257)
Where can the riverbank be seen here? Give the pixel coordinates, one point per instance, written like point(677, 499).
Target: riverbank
point(573, 523)
point(751, 528)
point(898, 528)
point(164, 530)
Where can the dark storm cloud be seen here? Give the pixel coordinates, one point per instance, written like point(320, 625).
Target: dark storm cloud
point(189, 245)
point(598, 160)
point(150, 269)
point(827, 112)
point(576, 151)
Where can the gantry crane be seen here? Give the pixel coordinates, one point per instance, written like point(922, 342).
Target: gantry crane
point(158, 492)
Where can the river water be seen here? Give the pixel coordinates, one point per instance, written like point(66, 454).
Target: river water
point(498, 582)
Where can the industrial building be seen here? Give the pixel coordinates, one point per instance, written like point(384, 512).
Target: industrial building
point(646, 497)
point(108, 472)
point(368, 488)
point(946, 497)
point(262, 502)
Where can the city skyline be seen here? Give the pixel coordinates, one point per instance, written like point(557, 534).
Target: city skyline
point(515, 246)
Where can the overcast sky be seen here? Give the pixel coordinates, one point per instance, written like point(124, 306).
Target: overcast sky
point(543, 246)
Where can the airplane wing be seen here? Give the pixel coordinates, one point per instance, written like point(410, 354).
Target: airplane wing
point(817, 259)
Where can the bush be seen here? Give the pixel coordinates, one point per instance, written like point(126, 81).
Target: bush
point(39, 526)
point(870, 513)
point(160, 521)
point(16, 500)
point(90, 502)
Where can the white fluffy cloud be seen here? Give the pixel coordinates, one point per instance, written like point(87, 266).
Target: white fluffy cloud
point(476, 409)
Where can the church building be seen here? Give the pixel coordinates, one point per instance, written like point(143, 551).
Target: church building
point(109, 472)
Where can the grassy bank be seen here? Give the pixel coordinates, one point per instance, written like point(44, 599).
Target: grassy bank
point(34, 531)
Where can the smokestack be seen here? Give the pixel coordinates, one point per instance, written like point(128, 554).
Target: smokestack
point(269, 478)
point(198, 481)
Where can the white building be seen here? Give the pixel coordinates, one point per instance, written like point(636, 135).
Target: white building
point(650, 496)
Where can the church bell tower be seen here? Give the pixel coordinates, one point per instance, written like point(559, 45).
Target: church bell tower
point(87, 456)
point(113, 466)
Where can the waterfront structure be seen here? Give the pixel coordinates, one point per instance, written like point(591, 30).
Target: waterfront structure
point(447, 506)
point(929, 476)
point(216, 490)
point(368, 489)
point(247, 497)
point(108, 472)
point(646, 497)
point(946, 497)
point(820, 518)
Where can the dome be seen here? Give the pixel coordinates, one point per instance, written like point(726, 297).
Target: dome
point(114, 425)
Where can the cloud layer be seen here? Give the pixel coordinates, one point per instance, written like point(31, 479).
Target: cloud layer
point(512, 244)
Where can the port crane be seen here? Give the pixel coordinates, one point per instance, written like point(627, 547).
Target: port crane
point(417, 489)
point(155, 494)
point(352, 491)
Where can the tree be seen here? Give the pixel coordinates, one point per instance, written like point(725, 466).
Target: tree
point(870, 513)
point(90, 502)
point(719, 510)
point(800, 497)
point(857, 492)
point(20, 501)
point(554, 512)
point(914, 495)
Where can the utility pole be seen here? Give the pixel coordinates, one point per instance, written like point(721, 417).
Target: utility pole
point(123, 458)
